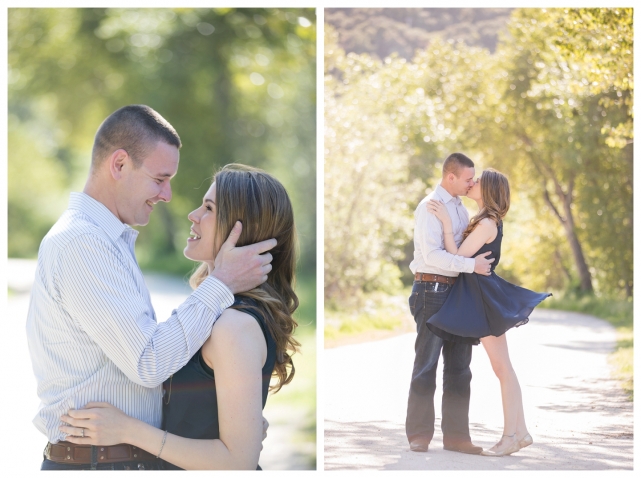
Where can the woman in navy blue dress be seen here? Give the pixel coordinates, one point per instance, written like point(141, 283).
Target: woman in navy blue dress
point(482, 308)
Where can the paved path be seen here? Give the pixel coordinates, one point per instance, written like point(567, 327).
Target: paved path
point(281, 450)
point(578, 415)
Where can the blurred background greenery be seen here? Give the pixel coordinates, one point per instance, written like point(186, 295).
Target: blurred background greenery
point(544, 95)
point(239, 85)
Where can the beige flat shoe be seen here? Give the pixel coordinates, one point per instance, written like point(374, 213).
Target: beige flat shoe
point(526, 441)
point(504, 447)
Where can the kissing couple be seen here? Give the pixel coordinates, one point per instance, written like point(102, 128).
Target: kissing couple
point(458, 301)
point(119, 390)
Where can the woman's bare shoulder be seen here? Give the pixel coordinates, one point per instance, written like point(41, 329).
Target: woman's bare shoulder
point(488, 229)
point(233, 320)
point(233, 332)
point(488, 223)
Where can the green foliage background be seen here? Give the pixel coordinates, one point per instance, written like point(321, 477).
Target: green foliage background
point(239, 85)
point(551, 106)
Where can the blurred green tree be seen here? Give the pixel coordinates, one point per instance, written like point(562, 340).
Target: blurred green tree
point(552, 126)
point(239, 85)
point(367, 179)
point(601, 40)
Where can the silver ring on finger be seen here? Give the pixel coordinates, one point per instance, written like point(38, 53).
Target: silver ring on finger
point(82, 432)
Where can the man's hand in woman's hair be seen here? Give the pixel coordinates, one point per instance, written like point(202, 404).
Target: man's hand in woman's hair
point(243, 268)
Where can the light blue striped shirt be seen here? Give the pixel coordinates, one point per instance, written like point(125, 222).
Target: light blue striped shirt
point(91, 327)
point(430, 255)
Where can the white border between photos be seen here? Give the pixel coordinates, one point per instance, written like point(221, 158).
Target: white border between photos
point(320, 228)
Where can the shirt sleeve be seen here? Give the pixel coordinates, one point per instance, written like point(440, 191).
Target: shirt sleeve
point(99, 292)
point(430, 233)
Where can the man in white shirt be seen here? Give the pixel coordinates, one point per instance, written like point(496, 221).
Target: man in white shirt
point(435, 271)
point(91, 327)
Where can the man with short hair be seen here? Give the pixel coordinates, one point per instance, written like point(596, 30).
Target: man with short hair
point(435, 271)
point(91, 327)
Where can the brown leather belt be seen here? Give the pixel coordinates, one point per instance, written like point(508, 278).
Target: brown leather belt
point(423, 277)
point(65, 452)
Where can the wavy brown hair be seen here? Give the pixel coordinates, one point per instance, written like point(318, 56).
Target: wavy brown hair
point(260, 202)
point(495, 193)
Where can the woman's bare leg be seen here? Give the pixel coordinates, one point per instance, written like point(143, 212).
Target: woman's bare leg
point(513, 416)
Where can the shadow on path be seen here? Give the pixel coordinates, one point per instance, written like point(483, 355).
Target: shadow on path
point(387, 443)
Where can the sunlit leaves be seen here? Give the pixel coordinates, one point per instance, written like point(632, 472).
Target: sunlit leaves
point(551, 107)
point(367, 182)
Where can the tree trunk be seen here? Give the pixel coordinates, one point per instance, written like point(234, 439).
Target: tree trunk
point(567, 220)
point(577, 252)
point(559, 260)
point(547, 174)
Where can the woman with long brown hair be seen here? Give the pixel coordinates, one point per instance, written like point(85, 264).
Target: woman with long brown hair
point(212, 407)
point(482, 308)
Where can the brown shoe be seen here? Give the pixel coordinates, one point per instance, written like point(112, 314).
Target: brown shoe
point(463, 447)
point(419, 444)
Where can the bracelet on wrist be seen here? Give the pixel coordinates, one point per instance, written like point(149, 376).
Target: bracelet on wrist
point(164, 437)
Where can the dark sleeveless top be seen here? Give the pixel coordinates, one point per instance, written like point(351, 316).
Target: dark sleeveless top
point(190, 405)
point(479, 306)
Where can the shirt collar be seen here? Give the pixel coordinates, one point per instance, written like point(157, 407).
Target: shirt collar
point(99, 214)
point(445, 196)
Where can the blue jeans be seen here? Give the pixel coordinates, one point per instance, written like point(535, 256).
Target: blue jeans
point(426, 299)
